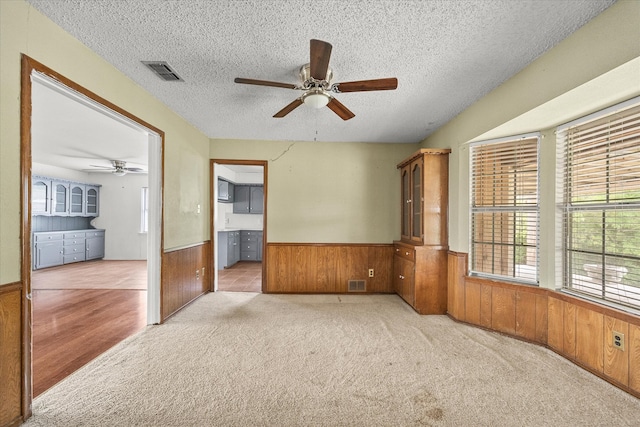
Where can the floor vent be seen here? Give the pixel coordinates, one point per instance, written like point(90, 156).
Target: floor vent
point(163, 70)
point(357, 286)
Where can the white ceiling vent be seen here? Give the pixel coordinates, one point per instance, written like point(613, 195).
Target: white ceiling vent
point(163, 70)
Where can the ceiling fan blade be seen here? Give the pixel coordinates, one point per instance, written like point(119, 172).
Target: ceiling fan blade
point(289, 108)
point(264, 83)
point(102, 167)
point(320, 55)
point(338, 108)
point(367, 85)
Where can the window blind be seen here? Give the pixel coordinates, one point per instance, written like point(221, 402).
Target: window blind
point(504, 208)
point(601, 206)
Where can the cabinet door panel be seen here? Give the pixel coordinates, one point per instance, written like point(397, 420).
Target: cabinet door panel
point(48, 254)
point(92, 204)
point(40, 196)
point(76, 205)
point(256, 203)
point(95, 247)
point(60, 202)
point(241, 199)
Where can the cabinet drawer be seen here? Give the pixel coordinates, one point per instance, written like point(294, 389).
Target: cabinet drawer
point(404, 252)
point(249, 238)
point(249, 256)
point(74, 258)
point(46, 237)
point(71, 242)
point(74, 235)
point(249, 247)
point(94, 234)
point(74, 249)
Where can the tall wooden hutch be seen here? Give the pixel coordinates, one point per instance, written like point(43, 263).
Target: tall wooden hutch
point(420, 257)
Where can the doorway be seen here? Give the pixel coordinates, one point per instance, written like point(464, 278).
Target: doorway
point(52, 288)
point(238, 224)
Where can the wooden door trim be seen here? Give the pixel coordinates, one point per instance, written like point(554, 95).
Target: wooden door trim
point(28, 65)
point(212, 206)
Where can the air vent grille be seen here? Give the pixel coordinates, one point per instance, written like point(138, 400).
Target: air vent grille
point(357, 286)
point(163, 70)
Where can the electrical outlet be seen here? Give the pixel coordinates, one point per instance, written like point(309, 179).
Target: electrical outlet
point(371, 272)
point(197, 274)
point(618, 340)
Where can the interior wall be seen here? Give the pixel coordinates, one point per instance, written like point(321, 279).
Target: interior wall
point(322, 192)
point(25, 30)
point(606, 43)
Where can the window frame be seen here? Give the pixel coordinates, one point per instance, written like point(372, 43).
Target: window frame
point(474, 210)
point(611, 293)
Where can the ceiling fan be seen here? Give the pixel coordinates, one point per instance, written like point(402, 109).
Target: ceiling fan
point(119, 168)
point(316, 83)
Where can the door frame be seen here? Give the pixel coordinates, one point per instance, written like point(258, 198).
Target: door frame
point(155, 237)
point(213, 188)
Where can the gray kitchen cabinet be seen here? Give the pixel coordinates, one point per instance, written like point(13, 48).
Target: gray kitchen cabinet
point(47, 250)
point(59, 197)
point(250, 245)
point(228, 248)
point(41, 196)
point(256, 200)
point(225, 191)
point(248, 199)
point(63, 247)
point(60, 200)
point(94, 245)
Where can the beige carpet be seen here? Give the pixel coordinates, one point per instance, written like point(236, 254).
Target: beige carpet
point(244, 359)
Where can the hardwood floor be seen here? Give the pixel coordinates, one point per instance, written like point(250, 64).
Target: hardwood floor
point(244, 276)
point(98, 274)
point(73, 326)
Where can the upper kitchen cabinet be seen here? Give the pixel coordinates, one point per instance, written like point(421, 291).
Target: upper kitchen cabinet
point(41, 196)
point(225, 191)
point(248, 199)
point(57, 197)
point(424, 190)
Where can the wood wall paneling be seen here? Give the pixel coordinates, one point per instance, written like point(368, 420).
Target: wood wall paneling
point(542, 318)
point(525, 326)
point(569, 332)
point(503, 318)
point(10, 354)
point(327, 268)
point(555, 334)
point(456, 270)
point(472, 298)
point(616, 362)
point(182, 277)
point(485, 305)
point(633, 349)
point(589, 338)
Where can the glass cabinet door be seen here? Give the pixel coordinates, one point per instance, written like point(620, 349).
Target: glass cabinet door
point(77, 200)
point(416, 198)
point(40, 197)
point(92, 201)
point(60, 198)
point(406, 203)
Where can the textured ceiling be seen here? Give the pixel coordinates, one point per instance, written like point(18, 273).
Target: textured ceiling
point(445, 54)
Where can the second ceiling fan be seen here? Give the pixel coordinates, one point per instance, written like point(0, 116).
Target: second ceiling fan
point(316, 83)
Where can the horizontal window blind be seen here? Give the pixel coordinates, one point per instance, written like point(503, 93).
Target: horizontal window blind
point(601, 206)
point(504, 209)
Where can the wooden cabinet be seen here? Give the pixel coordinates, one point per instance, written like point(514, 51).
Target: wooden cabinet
point(420, 263)
point(57, 197)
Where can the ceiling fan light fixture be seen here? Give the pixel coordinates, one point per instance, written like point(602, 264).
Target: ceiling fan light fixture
point(119, 172)
point(316, 99)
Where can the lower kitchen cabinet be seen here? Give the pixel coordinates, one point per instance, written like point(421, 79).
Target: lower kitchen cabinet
point(228, 248)
point(251, 245)
point(420, 276)
point(52, 248)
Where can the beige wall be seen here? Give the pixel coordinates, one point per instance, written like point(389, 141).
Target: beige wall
point(559, 86)
point(327, 192)
point(25, 30)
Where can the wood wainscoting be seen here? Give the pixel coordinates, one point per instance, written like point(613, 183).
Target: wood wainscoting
point(577, 329)
point(327, 268)
point(186, 274)
point(11, 354)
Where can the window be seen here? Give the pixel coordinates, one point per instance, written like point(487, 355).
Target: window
point(504, 208)
point(144, 210)
point(599, 163)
